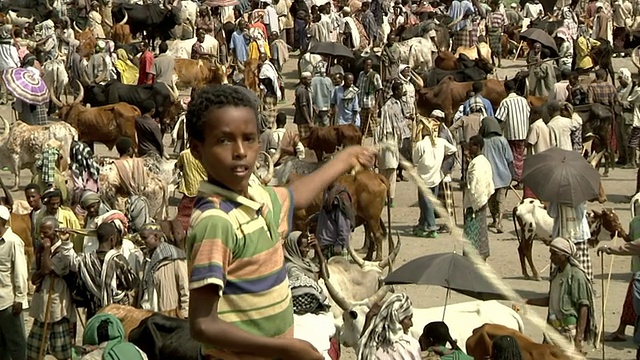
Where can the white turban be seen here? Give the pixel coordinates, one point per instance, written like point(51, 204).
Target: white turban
point(437, 114)
point(625, 75)
point(306, 74)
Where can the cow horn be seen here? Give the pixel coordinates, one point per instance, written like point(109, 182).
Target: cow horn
point(49, 7)
point(7, 128)
point(634, 57)
point(124, 21)
point(269, 176)
point(379, 295)
point(75, 26)
point(392, 257)
point(355, 256)
point(55, 100)
point(340, 300)
point(78, 100)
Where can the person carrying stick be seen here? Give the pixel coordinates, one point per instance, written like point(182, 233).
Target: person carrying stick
point(52, 307)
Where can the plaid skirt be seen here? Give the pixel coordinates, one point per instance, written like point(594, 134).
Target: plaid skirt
point(628, 316)
point(475, 230)
point(461, 38)
point(368, 121)
point(584, 259)
point(495, 37)
point(59, 339)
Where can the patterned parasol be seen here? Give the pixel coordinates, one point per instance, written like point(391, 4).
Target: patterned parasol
point(26, 86)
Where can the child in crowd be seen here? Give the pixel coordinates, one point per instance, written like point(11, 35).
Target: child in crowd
point(240, 302)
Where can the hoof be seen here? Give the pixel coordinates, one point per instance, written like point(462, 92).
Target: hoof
point(538, 278)
point(605, 175)
point(367, 258)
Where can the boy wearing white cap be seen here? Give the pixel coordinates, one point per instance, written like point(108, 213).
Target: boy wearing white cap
point(13, 295)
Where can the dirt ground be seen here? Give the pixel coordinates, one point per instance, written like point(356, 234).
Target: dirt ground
point(620, 185)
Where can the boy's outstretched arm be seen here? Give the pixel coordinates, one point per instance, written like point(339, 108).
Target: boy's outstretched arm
point(306, 188)
point(207, 328)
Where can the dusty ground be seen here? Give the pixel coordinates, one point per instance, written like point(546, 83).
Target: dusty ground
point(504, 257)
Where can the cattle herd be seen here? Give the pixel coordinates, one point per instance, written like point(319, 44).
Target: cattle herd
point(104, 112)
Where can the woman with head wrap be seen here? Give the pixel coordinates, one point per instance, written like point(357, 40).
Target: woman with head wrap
point(387, 336)
point(434, 339)
point(128, 72)
point(570, 300)
point(104, 338)
point(84, 169)
point(165, 281)
point(312, 321)
point(498, 152)
point(91, 202)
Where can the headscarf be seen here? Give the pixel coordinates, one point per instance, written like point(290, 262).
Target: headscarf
point(293, 256)
point(320, 68)
point(88, 198)
point(625, 74)
point(490, 127)
point(566, 247)
point(82, 160)
point(164, 252)
point(117, 218)
point(128, 71)
point(385, 328)
point(401, 68)
point(117, 347)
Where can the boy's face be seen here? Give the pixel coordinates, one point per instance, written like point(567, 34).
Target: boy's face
point(230, 148)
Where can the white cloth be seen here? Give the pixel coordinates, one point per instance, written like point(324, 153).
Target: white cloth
point(268, 71)
point(531, 10)
point(317, 329)
point(428, 159)
point(570, 222)
point(13, 271)
point(9, 58)
point(560, 129)
point(271, 19)
point(539, 137)
point(355, 34)
point(479, 183)
point(634, 100)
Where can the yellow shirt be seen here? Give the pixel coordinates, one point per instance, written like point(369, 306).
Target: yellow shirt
point(192, 173)
point(583, 60)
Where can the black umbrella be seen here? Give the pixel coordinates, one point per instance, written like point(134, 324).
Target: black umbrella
point(449, 270)
point(331, 49)
point(543, 38)
point(561, 176)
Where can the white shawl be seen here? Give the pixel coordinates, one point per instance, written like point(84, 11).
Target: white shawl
point(268, 71)
point(479, 183)
point(355, 34)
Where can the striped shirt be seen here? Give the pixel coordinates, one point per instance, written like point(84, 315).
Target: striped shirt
point(514, 111)
point(235, 242)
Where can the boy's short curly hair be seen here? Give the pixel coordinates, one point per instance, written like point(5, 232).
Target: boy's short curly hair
point(216, 97)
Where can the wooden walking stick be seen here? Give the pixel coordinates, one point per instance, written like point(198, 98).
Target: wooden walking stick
point(602, 300)
point(47, 313)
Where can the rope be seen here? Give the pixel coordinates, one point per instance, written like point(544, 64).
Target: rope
point(477, 261)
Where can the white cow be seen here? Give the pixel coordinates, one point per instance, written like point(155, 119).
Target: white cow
point(188, 13)
point(317, 329)
point(14, 19)
point(181, 49)
point(534, 221)
point(307, 62)
point(461, 319)
point(417, 53)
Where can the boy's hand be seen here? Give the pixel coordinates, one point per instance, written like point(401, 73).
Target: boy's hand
point(359, 156)
point(300, 349)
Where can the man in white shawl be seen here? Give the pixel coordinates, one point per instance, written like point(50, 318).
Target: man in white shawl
point(570, 222)
point(350, 31)
point(46, 36)
point(95, 21)
point(106, 272)
point(269, 78)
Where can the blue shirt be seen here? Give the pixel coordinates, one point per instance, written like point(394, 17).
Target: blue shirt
point(498, 152)
point(240, 46)
point(347, 112)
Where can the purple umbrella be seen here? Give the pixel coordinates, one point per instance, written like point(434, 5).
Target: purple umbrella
point(26, 86)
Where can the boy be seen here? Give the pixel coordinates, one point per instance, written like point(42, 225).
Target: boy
point(278, 135)
point(240, 303)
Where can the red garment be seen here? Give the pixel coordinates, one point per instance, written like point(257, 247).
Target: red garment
point(527, 193)
point(260, 25)
point(518, 148)
point(185, 208)
point(334, 350)
point(146, 62)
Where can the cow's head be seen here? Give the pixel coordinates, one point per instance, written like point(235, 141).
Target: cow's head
point(608, 220)
point(64, 109)
point(348, 135)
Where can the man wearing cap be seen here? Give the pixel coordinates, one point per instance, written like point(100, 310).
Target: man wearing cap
point(513, 15)
point(600, 23)
point(100, 67)
point(570, 299)
point(13, 293)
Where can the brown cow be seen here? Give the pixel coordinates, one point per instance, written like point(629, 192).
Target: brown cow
point(326, 140)
point(535, 101)
point(446, 61)
point(131, 317)
point(479, 344)
point(87, 41)
point(368, 191)
point(105, 124)
point(251, 72)
point(121, 33)
point(449, 94)
point(197, 73)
